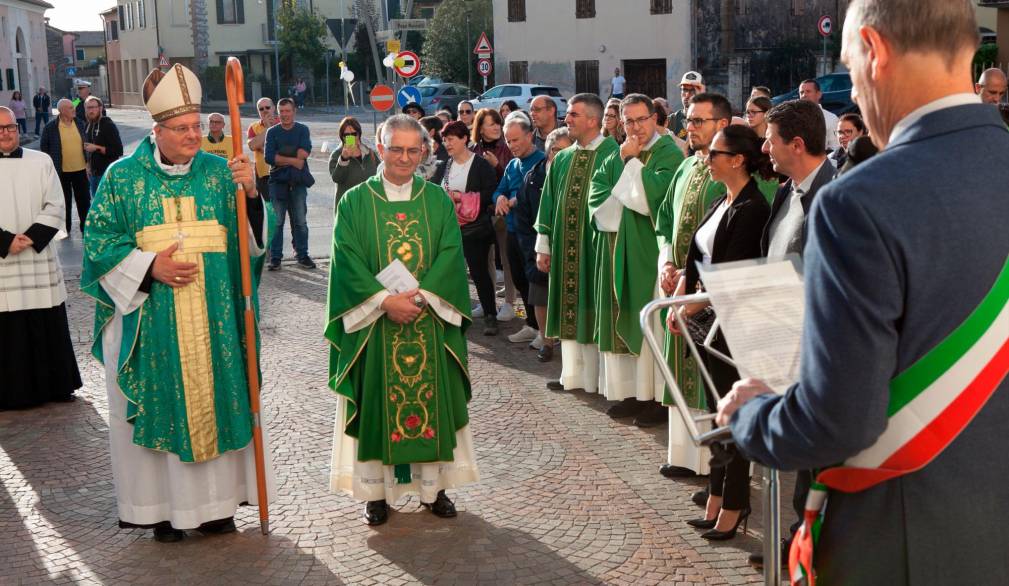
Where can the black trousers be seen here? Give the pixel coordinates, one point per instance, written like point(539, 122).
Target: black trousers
point(732, 481)
point(263, 187)
point(475, 247)
point(76, 188)
point(518, 266)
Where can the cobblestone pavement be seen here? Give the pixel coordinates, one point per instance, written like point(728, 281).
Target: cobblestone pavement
point(567, 496)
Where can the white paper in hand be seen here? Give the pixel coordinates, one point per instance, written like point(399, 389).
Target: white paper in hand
point(396, 278)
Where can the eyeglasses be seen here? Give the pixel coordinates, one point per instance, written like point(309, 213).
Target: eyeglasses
point(632, 122)
point(266, 108)
point(609, 116)
point(10, 129)
point(698, 121)
point(466, 112)
point(538, 109)
point(398, 152)
point(712, 153)
point(752, 113)
point(346, 134)
point(184, 130)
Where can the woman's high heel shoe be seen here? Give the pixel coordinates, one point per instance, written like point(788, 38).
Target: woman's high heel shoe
point(715, 535)
point(703, 523)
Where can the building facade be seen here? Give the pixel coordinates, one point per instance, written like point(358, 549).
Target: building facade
point(576, 44)
point(24, 61)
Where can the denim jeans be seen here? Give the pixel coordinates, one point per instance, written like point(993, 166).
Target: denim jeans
point(93, 182)
point(22, 125)
point(41, 118)
point(293, 200)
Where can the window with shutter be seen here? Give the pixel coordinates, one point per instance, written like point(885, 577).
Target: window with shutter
point(516, 10)
point(587, 77)
point(122, 18)
point(142, 11)
point(662, 6)
point(585, 8)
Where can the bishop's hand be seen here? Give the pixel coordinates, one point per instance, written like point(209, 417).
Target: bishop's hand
point(172, 273)
point(241, 174)
point(401, 308)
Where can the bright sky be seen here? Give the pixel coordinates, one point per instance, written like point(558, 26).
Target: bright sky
point(78, 15)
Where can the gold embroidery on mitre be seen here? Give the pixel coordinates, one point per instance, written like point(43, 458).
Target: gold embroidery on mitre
point(192, 322)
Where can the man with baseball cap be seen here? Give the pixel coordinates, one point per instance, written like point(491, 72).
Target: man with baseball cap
point(691, 85)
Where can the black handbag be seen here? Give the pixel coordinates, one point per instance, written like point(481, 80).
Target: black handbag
point(699, 325)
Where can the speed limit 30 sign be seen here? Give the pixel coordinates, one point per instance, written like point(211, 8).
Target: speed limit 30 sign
point(484, 67)
point(825, 25)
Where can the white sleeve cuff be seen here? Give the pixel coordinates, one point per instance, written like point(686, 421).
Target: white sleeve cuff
point(254, 248)
point(630, 190)
point(607, 216)
point(665, 255)
point(123, 282)
point(365, 314)
point(443, 309)
point(542, 245)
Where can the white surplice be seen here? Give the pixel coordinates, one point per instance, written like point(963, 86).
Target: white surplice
point(154, 486)
point(371, 480)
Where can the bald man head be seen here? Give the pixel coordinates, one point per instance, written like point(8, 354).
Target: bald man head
point(8, 131)
point(66, 109)
point(992, 85)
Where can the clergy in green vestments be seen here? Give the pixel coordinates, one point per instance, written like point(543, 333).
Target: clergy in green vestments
point(624, 199)
point(398, 313)
point(565, 248)
point(161, 260)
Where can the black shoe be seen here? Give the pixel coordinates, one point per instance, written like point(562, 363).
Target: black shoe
point(490, 325)
point(165, 533)
point(700, 498)
point(655, 414)
point(306, 263)
point(670, 471)
point(703, 523)
point(757, 559)
point(376, 512)
point(555, 385)
point(545, 354)
point(626, 408)
point(218, 527)
point(274, 265)
point(716, 535)
point(67, 399)
point(442, 506)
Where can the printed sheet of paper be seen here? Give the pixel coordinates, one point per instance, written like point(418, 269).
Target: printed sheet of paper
point(396, 278)
point(760, 307)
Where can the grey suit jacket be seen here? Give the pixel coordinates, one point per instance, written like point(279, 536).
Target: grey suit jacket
point(901, 250)
point(797, 242)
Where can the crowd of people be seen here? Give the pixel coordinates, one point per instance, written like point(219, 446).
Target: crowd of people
point(586, 220)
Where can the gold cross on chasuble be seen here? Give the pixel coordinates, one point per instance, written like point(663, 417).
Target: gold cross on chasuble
point(192, 325)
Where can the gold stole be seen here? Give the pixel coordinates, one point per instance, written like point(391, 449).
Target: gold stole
point(192, 325)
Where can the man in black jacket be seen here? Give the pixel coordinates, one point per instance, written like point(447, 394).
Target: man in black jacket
point(43, 105)
point(63, 140)
point(102, 143)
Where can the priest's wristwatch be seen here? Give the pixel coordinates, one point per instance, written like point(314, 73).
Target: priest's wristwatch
point(419, 300)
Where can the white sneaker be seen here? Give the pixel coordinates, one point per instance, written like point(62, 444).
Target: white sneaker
point(477, 310)
point(537, 344)
point(506, 313)
point(526, 334)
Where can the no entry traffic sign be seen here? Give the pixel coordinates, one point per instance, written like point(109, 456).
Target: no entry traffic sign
point(382, 98)
point(484, 67)
point(407, 64)
point(408, 94)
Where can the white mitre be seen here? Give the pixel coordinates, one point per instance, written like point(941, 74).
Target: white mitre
point(172, 94)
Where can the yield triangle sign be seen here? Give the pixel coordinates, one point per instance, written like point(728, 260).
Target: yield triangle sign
point(163, 62)
point(483, 45)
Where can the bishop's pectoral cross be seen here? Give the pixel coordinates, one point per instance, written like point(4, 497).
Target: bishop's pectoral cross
point(195, 238)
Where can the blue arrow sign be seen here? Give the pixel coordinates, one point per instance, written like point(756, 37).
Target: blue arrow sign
point(406, 95)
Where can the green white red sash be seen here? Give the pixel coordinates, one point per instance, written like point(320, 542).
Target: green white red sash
point(930, 404)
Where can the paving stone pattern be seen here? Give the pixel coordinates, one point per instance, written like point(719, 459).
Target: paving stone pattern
point(567, 496)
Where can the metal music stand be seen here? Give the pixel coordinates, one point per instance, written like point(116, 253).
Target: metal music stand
point(721, 435)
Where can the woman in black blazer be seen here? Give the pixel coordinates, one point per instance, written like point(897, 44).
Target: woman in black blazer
point(730, 231)
point(466, 172)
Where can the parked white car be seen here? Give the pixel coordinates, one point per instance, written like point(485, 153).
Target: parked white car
point(523, 94)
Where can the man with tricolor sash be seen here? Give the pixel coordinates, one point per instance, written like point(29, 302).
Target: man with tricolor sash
point(906, 340)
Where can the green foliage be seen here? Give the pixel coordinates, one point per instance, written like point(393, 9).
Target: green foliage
point(447, 53)
point(986, 56)
point(212, 81)
point(302, 36)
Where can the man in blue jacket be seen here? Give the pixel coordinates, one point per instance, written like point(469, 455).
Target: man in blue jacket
point(902, 399)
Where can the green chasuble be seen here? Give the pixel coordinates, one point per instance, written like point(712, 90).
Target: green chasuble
point(690, 195)
point(182, 357)
point(564, 218)
point(626, 260)
point(407, 386)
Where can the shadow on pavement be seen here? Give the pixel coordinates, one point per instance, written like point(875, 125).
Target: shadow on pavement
point(431, 550)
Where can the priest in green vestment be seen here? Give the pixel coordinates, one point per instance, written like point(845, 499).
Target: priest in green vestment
point(398, 313)
point(624, 199)
point(565, 248)
point(161, 260)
